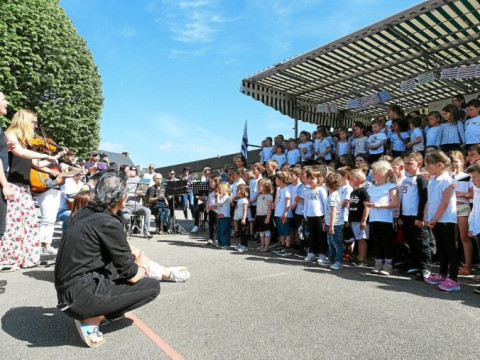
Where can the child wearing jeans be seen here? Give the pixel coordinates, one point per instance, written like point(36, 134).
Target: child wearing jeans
point(442, 219)
point(282, 207)
point(383, 199)
point(222, 202)
point(240, 216)
point(333, 223)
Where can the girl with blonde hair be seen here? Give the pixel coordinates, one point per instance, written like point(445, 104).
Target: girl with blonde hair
point(20, 245)
point(383, 200)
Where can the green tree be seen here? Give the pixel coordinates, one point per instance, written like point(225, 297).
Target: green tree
point(46, 66)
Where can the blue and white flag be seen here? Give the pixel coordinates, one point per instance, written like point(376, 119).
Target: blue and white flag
point(244, 149)
point(408, 85)
point(353, 103)
point(426, 78)
point(451, 73)
point(466, 71)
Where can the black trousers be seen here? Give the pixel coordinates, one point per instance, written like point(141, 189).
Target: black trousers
point(95, 294)
point(418, 240)
point(382, 235)
point(212, 224)
point(317, 237)
point(447, 249)
point(3, 215)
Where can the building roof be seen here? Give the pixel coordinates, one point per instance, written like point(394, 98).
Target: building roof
point(423, 40)
point(120, 159)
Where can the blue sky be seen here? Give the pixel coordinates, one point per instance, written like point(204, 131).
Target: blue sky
point(172, 69)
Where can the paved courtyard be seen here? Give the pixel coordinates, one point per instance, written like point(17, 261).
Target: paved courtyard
point(251, 306)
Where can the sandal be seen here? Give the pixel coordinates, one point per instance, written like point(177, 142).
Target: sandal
point(90, 334)
point(9, 268)
point(465, 270)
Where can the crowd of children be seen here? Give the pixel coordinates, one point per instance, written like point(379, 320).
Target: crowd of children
point(389, 193)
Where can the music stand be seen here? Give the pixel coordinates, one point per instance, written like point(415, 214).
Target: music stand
point(176, 188)
point(201, 188)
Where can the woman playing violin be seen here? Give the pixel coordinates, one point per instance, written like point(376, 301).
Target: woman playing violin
point(20, 246)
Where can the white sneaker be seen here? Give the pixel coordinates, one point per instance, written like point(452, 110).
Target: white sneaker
point(215, 242)
point(210, 242)
point(310, 256)
point(195, 230)
point(238, 246)
point(179, 274)
point(322, 260)
point(50, 251)
point(242, 249)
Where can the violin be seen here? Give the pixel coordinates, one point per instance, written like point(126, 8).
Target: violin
point(40, 181)
point(47, 144)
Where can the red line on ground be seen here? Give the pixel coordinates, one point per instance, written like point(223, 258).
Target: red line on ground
point(157, 339)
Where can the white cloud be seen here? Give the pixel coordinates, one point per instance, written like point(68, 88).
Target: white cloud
point(181, 140)
point(113, 147)
point(128, 31)
point(192, 21)
point(175, 53)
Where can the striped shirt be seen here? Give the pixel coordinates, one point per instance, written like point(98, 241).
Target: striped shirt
point(334, 201)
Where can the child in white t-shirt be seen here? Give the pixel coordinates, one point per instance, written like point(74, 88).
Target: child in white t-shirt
point(240, 216)
point(282, 207)
point(222, 202)
point(264, 213)
point(383, 199)
point(442, 219)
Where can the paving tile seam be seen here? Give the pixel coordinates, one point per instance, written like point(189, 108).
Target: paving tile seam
point(168, 349)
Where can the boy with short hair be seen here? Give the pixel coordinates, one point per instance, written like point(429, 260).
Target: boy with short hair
point(333, 223)
point(473, 153)
point(416, 137)
point(358, 214)
point(376, 141)
point(293, 154)
point(414, 195)
point(472, 124)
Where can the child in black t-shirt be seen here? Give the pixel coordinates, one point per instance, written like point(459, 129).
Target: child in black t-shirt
point(358, 214)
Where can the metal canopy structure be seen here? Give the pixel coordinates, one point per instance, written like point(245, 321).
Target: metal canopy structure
point(432, 36)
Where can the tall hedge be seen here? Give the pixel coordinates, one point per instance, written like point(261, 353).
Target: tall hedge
point(46, 66)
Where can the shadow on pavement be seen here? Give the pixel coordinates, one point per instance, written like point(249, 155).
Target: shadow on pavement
point(36, 325)
point(48, 327)
point(404, 283)
point(40, 275)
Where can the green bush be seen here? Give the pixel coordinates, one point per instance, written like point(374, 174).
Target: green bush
point(46, 66)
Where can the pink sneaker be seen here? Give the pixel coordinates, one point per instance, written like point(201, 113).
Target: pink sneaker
point(449, 285)
point(434, 279)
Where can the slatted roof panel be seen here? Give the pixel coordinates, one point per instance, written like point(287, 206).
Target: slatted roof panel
point(434, 35)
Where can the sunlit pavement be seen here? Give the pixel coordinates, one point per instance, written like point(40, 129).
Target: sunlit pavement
point(251, 306)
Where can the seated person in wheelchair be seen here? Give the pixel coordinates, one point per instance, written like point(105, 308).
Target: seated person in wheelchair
point(134, 203)
point(159, 204)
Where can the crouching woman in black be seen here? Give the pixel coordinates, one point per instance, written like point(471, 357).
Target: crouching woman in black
point(96, 276)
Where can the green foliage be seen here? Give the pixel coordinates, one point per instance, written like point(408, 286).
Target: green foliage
point(46, 66)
